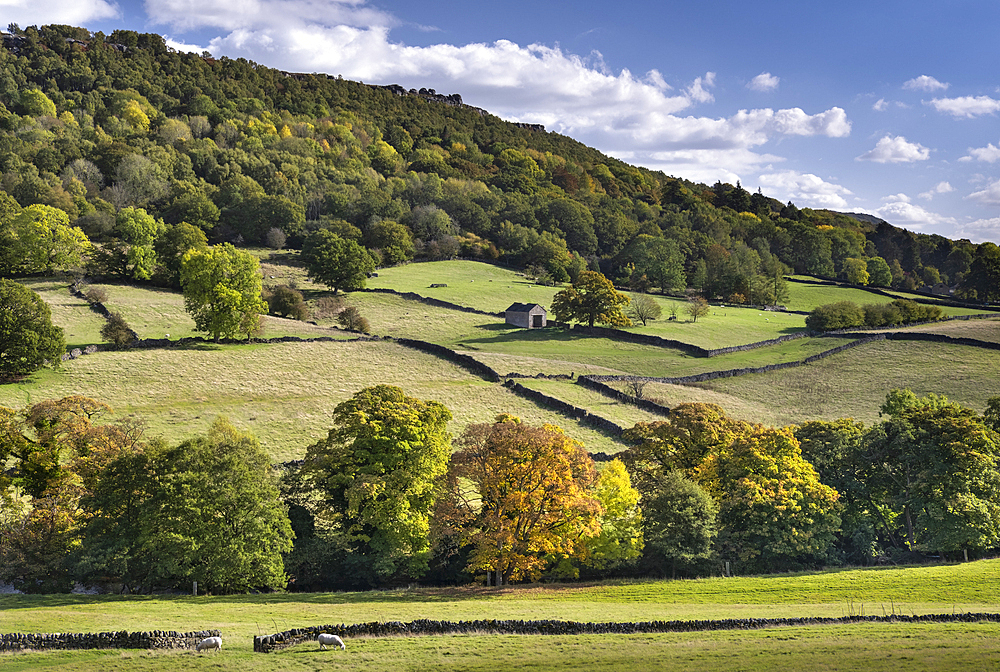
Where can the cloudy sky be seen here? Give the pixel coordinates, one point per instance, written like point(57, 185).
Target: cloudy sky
point(888, 108)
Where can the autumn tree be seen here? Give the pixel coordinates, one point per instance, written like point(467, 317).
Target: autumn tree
point(519, 497)
point(773, 510)
point(681, 442)
point(620, 540)
point(222, 287)
point(337, 262)
point(28, 339)
point(376, 476)
point(592, 298)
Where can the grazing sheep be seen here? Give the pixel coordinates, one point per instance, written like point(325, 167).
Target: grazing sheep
point(209, 644)
point(332, 640)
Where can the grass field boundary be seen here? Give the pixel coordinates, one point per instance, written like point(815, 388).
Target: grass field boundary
point(430, 301)
point(581, 414)
point(731, 373)
point(608, 391)
point(465, 361)
point(288, 638)
point(938, 301)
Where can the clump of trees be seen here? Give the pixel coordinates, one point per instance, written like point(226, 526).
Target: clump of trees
point(847, 314)
point(89, 501)
point(383, 500)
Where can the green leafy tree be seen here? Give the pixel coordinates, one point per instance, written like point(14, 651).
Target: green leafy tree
point(116, 331)
point(336, 262)
point(983, 277)
point(206, 510)
point(171, 247)
point(592, 298)
point(139, 231)
point(393, 240)
point(938, 466)
point(680, 523)
point(222, 287)
point(644, 308)
point(350, 318)
point(39, 239)
point(376, 475)
point(879, 273)
point(856, 271)
point(697, 307)
point(37, 104)
point(28, 339)
point(285, 301)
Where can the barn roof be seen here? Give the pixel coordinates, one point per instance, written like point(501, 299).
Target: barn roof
point(523, 307)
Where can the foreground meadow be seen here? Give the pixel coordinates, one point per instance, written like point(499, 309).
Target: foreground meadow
point(969, 587)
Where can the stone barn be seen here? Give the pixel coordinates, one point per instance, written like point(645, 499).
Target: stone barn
point(526, 315)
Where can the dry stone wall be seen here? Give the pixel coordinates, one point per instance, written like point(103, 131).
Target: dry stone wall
point(282, 640)
point(154, 639)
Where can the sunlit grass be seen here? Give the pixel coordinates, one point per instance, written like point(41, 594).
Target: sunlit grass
point(970, 587)
point(284, 393)
point(854, 383)
point(81, 326)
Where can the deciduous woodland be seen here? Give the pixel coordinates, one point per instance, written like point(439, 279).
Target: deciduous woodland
point(135, 166)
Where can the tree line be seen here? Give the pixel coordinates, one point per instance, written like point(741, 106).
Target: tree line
point(389, 497)
point(95, 128)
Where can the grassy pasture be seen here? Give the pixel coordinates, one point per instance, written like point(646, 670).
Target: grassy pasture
point(806, 296)
point(983, 330)
point(81, 326)
point(854, 383)
point(911, 590)
point(284, 393)
point(724, 326)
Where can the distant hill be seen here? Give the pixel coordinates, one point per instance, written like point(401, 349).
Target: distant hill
point(93, 123)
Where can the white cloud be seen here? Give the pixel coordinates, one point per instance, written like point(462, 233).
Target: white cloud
point(925, 83)
point(697, 91)
point(40, 12)
point(805, 189)
point(898, 210)
point(880, 105)
point(896, 150)
point(639, 118)
point(988, 196)
point(980, 230)
point(939, 188)
point(966, 106)
point(765, 81)
point(252, 15)
point(990, 154)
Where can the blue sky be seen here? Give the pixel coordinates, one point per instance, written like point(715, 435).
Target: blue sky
point(887, 108)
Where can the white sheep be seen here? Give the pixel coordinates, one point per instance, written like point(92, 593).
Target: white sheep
point(332, 640)
point(210, 644)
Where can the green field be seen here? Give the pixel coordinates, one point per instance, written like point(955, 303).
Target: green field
point(854, 383)
point(81, 326)
point(284, 393)
point(970, 587)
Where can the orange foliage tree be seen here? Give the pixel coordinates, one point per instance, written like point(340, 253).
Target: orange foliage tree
point(518, 495)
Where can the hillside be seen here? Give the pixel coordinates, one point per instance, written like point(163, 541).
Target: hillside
point(91, 124)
